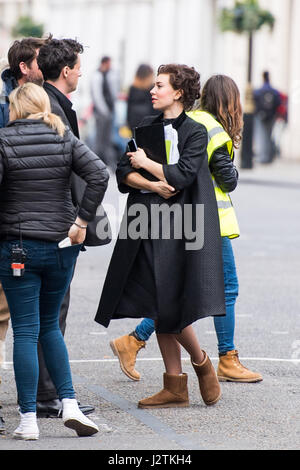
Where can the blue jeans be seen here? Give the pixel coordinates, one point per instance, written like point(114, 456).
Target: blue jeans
point(224, 325)
point(145, 329)
point(34, 301)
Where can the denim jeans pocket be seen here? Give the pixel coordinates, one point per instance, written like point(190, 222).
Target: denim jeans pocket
point(69, 255)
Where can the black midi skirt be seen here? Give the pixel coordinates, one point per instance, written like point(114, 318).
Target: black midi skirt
point(139, 298)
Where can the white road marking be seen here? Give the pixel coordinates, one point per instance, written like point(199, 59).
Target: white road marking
point(153, 359)
point(267, 359)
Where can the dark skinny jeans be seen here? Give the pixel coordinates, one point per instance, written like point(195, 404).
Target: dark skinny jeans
point(34, 301)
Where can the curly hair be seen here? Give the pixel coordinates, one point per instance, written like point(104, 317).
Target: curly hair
point(221, 97)
point(183, 78)
point(55, 54)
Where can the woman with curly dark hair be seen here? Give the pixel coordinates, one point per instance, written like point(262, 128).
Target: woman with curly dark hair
point(174, 276)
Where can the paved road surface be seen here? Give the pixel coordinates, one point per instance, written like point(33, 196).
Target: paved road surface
point(265, 415)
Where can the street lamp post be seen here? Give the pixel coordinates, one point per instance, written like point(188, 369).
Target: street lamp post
point(246, 17)
point(247, 144)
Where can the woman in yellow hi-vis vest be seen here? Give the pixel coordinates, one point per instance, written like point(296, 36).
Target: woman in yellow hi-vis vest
point(221, 113)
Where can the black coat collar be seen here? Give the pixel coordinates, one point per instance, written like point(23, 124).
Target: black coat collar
point(66, 106)
point(176, 123)
point(61, 98)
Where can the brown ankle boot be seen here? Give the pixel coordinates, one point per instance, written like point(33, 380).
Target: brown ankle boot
point(126, 348)
point(174, 393)
point(230, 369)
point(208, 382)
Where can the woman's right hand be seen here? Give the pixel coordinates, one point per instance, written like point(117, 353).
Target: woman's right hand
point(77, 232)
point(163, 189)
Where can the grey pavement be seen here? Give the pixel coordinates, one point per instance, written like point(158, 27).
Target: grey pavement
point(261, 416)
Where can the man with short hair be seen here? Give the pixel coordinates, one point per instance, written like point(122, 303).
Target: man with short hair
point(60, 64)
point(59, 61)
point(22, 61)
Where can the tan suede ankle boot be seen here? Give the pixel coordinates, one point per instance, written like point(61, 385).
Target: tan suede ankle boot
point(126, 348)
point(174, 393)
point(208, 382)
point(230, 369)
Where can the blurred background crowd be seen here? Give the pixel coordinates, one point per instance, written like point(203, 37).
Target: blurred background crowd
point(254, 42)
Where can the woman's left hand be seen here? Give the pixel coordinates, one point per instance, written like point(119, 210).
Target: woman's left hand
point(138, 158)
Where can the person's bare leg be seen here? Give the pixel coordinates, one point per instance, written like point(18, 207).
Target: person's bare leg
point(171, 353)
point(169, 345)
point(189, 341)
point(208, 382)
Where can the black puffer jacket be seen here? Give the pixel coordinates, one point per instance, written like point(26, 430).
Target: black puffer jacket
point(223, 170)
point(35, 170)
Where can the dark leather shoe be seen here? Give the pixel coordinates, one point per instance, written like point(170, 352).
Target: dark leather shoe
point(2, 425)
point(53, 409)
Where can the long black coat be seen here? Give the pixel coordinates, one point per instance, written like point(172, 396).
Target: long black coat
point(187, 284)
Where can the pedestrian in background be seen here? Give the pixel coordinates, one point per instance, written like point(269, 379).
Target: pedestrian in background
point(139, 102)
point(281, 123)
point(267, 100)
point(36, 226)
point(104, 90)
point(159, 278)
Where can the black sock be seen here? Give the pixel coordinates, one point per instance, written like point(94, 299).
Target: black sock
point(133, 333)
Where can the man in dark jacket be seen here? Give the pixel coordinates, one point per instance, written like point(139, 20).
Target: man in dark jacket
point(59, 61)
point(22, 59)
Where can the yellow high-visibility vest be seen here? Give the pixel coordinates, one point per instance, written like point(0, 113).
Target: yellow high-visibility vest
point(218, 137)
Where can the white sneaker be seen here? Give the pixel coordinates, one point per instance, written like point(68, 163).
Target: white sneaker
point(28, 428)
point(73, 418)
